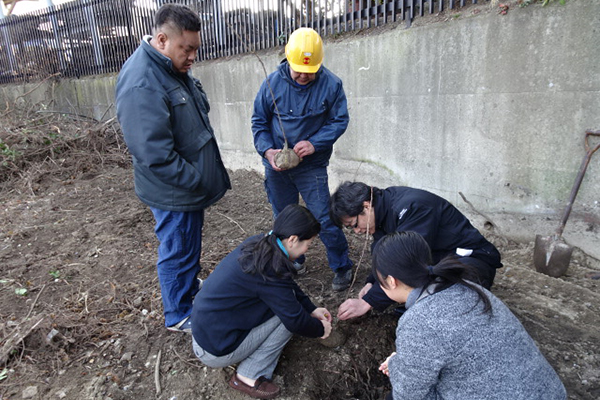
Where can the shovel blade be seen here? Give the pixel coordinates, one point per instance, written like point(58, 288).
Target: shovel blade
point(551, 255)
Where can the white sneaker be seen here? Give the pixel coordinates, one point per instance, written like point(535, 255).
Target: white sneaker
point(185, 326)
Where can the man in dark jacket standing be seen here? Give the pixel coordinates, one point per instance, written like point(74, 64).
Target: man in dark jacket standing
point(178, 170)
point(304, 102)
point(448, 232)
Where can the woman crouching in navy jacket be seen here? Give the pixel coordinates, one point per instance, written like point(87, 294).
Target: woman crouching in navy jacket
point(250, 305)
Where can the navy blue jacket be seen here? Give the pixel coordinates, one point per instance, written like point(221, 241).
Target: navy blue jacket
point(164, 118)
point(232, 302)
point(317, 112)
point(445, 228)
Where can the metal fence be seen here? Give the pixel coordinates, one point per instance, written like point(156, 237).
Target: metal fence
point(88, 37)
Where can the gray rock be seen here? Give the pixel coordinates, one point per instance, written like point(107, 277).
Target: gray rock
point(30, 392)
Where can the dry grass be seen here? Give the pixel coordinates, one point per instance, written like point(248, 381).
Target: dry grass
point(34, 144)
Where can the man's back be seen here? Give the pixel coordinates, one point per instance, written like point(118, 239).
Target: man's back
point(444, 227)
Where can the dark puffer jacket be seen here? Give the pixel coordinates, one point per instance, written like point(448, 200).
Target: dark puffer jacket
point(164, 118)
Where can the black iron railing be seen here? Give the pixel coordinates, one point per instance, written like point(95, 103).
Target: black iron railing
point(89, 37)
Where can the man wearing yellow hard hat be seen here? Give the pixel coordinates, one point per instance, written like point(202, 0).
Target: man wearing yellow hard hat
point(313, 114)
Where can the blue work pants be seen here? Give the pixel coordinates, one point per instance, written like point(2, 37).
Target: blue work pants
point(283, 188)
point(180, 236)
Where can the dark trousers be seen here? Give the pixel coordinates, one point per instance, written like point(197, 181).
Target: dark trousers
point(283, 188)
point(180, 236)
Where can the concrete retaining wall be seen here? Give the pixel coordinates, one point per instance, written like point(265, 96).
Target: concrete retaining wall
point(494, 107)
point(491, 106)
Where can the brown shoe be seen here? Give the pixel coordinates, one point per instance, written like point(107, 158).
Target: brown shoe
point(262, 389)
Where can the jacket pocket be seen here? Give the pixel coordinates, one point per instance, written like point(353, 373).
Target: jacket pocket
point(189, 132)
point(182, 119)
point(319, 109)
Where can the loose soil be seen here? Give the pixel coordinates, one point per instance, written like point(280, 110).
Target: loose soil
point(80, 307)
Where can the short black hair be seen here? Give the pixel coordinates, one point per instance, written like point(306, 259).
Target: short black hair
point(347, 201)
point(178, 17)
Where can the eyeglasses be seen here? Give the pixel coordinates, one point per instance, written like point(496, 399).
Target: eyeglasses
point(353, 226)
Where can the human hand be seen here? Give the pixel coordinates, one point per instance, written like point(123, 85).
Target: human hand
point(364, 290)
point(326, 328)
point(270, 156)
point(384, 365)
point(321, 314)
point(353, 308)
point(304, 148)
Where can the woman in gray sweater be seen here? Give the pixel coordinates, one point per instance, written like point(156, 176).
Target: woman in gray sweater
point(456, 340)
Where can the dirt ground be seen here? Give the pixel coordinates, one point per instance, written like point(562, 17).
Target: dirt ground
point(80, 308)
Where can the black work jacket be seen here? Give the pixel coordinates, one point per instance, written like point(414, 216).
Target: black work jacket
point(444, 227)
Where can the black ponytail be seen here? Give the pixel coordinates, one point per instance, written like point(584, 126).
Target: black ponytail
point(264, 255)
point(407, 257)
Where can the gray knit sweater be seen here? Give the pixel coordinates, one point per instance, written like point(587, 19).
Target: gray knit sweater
point(448, 349)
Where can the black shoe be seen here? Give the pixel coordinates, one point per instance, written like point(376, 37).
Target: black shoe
point(341, 280)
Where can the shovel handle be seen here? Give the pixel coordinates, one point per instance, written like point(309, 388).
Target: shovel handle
point(584, 164)
point(589, 133)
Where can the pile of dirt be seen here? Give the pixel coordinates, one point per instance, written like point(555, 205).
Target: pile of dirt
point(80, 308)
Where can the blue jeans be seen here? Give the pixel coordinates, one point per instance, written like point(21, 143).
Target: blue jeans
point(180, 236)
point(283, 188)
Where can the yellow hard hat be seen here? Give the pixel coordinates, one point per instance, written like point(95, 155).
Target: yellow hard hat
point(304, 51)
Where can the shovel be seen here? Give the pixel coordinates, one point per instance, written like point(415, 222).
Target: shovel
point(551, 255)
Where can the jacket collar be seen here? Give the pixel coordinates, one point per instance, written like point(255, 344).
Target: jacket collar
point(413, 296)
point(160, 59)
point(418, 294)
point(380, 205)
